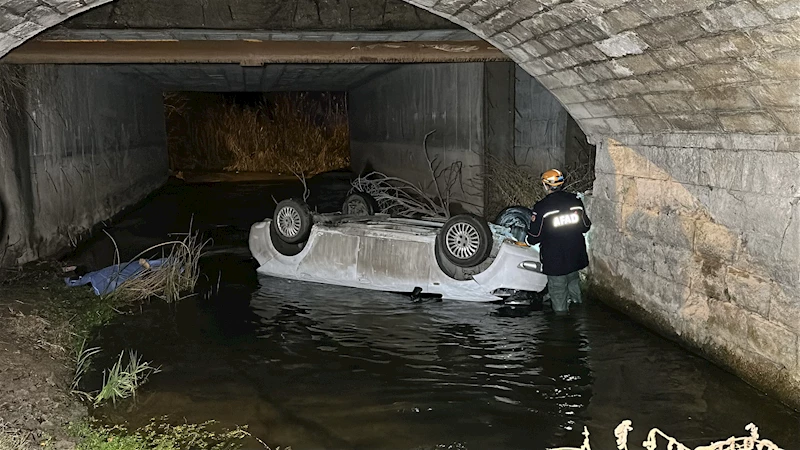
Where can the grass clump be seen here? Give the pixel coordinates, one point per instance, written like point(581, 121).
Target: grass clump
point(170, 281)
point(122, 380)
point(158, 435)
point(279, 133)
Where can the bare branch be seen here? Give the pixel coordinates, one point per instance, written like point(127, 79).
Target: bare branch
point(433, 173)
point(302, 177)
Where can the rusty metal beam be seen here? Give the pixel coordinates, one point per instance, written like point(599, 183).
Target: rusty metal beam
point(249, 53)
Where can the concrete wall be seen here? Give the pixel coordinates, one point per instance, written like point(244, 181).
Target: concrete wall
point(482, 113)
point(88, 143)
point(540, 124)
point(390, 115)
point(545, 135)
point(499, 81)
point(698, 235)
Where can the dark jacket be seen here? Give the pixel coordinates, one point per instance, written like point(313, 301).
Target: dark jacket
point(558, 222)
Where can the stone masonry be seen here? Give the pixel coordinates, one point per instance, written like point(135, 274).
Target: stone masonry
point(698, 235)
point(694, 105)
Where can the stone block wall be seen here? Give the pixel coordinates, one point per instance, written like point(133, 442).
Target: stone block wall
point(84, 144)
point(22, 19)
point(699, 236)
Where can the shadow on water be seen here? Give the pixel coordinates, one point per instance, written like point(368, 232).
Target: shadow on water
point(317, 366)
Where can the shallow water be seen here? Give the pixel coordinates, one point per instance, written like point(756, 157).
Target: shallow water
point(316, 366)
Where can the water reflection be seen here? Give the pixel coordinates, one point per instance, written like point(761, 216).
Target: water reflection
point(433, 372)
point(317, 366)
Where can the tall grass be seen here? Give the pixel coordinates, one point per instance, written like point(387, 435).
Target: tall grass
point(280, 133)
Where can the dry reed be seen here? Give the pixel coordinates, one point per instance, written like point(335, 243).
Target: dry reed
point(280, 134)
point(14, 440)
point(170, 281)
point(515, 185)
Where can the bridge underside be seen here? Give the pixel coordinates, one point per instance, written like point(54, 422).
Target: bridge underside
point(693, 106)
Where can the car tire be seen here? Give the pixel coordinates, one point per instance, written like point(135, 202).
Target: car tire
point(360, 204)
point(284, 248)
point(292, 221)
point(465, 240)
point(517, 218)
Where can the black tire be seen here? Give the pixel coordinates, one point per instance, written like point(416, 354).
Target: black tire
point(292, 221)
point(360, 204)
point(465, 240)
point(517, 218)
point(284, 248)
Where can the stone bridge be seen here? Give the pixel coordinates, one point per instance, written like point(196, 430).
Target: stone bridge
point(694, 106)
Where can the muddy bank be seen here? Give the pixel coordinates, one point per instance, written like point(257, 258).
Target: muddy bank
point(37, 334)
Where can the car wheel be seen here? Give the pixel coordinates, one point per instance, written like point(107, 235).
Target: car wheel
point(284, 248)
point(465, 240)
point(292, 220)
point(360, 204)
point(517, 218)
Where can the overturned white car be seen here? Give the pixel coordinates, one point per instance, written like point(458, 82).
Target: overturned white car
point(461, 258)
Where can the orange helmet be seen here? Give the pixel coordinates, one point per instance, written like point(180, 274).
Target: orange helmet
point(553, 178)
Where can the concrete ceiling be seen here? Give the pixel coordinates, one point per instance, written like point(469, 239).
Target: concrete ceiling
point(274, 77)
point(270, 77)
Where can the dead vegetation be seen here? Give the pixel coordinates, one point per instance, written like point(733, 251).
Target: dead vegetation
point(279, 134)
point(402, 198)
point(14, 440)
point(509, 184)
point(174, 277)
point(515, 185)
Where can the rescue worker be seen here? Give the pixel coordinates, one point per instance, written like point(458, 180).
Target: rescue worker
point(558, 223)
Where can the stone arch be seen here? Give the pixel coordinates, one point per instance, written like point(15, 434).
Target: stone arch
point(696, 203)
point(691, 66)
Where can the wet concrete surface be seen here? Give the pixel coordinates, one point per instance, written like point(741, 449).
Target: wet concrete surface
point(315, 366)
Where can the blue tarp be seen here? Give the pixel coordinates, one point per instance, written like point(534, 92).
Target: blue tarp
point(105, 281)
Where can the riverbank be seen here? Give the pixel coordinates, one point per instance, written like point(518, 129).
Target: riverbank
point(43, 327)
point(41, 322)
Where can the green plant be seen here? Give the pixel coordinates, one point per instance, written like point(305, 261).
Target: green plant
point(83, 359)
point(159, 435)
point(122, 381)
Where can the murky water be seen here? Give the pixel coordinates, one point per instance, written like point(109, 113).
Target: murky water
point(316, 366)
